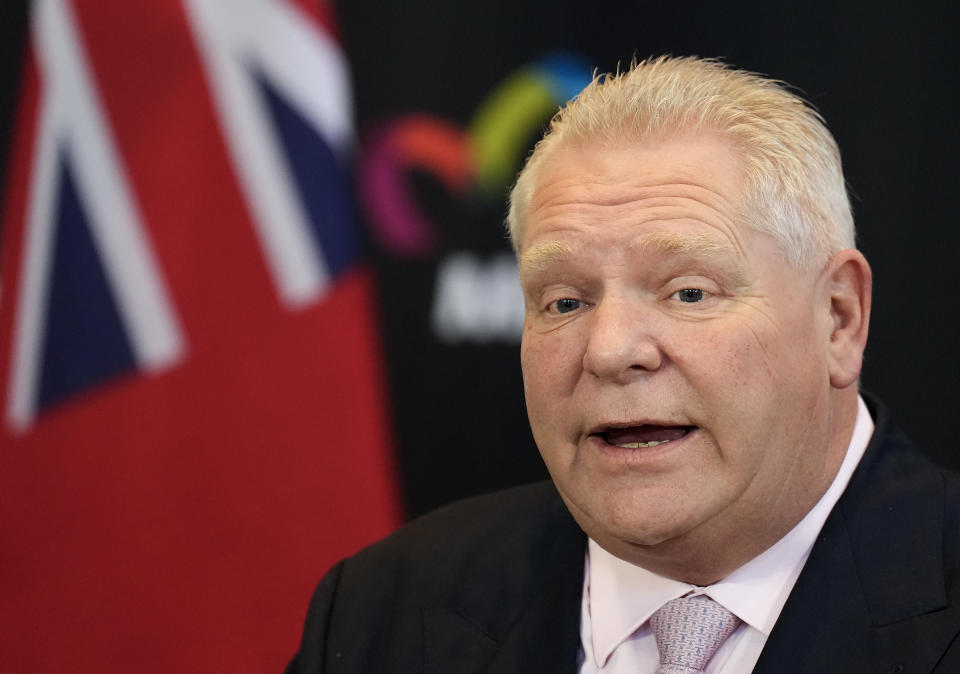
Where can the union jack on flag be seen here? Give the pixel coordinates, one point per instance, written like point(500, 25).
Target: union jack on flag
point(194, 423)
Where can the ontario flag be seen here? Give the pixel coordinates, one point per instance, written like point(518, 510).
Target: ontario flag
point(193, 423)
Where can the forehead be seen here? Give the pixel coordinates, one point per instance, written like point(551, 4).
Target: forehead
point(679, 195)
point(542, 255)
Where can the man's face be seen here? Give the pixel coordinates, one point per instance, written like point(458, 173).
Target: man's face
point(675, 367)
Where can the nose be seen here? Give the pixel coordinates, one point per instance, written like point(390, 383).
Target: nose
point(621, 345)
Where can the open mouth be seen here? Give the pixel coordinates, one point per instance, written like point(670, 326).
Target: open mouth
point(648, 435)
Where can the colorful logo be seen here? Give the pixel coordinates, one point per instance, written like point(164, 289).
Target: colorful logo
point(479, 162)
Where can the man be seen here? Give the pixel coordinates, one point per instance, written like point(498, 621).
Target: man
point(695, 324)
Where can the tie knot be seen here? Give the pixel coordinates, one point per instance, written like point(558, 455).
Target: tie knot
point(689, 630)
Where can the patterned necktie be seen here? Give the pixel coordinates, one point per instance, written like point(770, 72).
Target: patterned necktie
point(689, 630)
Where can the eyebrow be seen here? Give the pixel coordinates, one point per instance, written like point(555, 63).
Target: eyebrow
point(539, 257)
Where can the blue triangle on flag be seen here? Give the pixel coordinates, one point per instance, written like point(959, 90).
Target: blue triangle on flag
point(84, 340)
point(322, 179)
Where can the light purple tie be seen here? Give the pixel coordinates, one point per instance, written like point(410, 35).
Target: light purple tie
point(689, 630)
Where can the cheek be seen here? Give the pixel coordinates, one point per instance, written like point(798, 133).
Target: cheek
point(722, 361)
point(790, 356)
point(746, 389)
point(749, 361)
point(538, 376)
point(732, 381)
point(540, 390)
point(532, 366)
point(550, 362)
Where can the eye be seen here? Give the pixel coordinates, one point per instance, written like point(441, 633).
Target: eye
point(689, 295)
point(566, 305)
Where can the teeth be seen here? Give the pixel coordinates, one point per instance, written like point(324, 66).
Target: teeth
point(638, 445)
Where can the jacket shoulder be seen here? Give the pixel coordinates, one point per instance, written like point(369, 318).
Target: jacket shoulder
point(482, 560)
point(458, 552)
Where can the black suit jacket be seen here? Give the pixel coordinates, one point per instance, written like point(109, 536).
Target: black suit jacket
point(493, 585)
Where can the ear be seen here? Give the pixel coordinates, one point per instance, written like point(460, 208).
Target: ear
point(848, 285)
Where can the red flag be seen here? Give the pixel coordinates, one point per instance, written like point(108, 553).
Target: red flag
point(193, 417)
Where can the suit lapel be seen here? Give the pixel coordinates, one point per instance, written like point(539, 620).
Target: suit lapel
point(871, 597)
point(546, 637)
point(530, 619)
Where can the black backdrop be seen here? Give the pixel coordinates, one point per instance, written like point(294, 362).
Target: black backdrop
point(883, 76)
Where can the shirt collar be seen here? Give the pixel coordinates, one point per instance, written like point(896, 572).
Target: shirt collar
point(623, 596)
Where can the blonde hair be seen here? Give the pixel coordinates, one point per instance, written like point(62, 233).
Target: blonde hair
point(794, 186)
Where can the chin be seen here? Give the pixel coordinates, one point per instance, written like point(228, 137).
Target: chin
point(649, 534)
point(632, 529)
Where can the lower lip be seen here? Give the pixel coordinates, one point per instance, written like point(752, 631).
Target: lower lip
point(641, 456)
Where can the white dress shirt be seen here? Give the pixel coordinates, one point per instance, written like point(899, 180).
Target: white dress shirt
point(619, 597)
